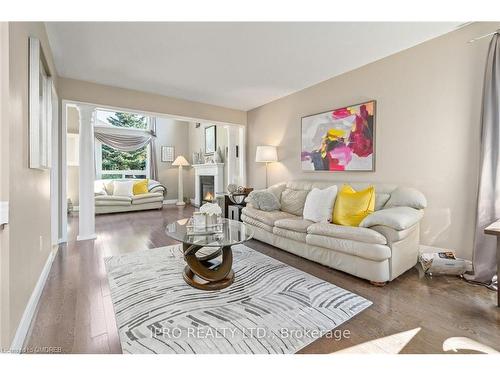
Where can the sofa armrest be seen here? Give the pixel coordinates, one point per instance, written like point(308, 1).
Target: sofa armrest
point(398, 218)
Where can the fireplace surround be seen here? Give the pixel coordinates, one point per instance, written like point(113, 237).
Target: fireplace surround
point(215, 172)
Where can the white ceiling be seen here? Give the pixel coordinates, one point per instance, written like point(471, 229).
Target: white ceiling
point(235, 65)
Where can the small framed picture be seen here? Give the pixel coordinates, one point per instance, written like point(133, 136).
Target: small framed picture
point(167, 154)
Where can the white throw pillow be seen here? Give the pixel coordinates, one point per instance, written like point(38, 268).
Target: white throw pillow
point(319, 204)
point(99, 188)
point(123, 188)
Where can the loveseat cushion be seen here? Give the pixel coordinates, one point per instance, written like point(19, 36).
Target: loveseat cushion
point(112, 200)
point(376, 252)
point(266, 217)
point(398, 218)
point(359, 234)
point(292, 201)
point(158, 196)
point(147, 198)
point(296, 224)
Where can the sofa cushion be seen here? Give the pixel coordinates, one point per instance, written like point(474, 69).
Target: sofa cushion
point(292, 201)
point(380, 200)
point(263, 200)
point(394, 235)
point(398, 218)
point(351, 206)
point(296, 224)
point(291, 234)
point(319, 204)
point(407, 197)
point(277, 189)
point(376, 252)
point(359, 234)
point(265, 217)
point(256, 223)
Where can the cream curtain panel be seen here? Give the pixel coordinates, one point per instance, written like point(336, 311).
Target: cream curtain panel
point(127, 139)
point(488, 201)
point(122, 142)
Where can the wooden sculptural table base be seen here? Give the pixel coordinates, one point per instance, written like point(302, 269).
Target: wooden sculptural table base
point(204, 272)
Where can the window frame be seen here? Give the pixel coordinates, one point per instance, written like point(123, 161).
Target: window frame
point(119, 173)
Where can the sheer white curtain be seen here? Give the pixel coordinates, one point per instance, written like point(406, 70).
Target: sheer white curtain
point(488, 200)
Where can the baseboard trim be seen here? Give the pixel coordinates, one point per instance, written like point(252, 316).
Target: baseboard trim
point(92, 236)
point(29, 312)
point(170, 201)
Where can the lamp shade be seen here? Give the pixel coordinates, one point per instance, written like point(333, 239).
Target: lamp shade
point(266, 154)
point(180, 161)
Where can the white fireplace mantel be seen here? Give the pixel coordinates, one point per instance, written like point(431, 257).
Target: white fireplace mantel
point(208, 169)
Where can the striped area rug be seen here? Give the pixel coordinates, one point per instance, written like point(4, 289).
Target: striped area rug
point(270, 308)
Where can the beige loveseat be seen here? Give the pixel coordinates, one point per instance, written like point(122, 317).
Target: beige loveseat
point(106, 202)
point(383, 247)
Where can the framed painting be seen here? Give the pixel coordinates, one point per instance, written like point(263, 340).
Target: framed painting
point(339, 140)
point(210, 140)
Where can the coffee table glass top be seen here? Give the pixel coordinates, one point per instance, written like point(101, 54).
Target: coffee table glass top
point(233, 232)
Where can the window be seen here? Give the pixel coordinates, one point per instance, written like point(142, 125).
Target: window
point(112, 163)
point(121, 119)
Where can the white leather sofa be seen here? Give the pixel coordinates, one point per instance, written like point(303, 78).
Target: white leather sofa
point(383, 247)
point(106, 202)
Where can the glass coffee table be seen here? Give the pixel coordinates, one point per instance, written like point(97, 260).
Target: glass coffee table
point(208, 256)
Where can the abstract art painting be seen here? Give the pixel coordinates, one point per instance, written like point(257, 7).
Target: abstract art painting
point(340, 140)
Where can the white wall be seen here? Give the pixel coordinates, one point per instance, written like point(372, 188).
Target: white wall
point(427, 128)
point(29, 244)
point(174, 133)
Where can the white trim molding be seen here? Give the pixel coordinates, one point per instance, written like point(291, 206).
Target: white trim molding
point(29, 312)
point(169, 201)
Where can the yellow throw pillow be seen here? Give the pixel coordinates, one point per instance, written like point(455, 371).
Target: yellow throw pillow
point(140, 187)
point(351, 206)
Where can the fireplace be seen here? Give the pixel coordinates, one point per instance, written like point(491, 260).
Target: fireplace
point(211, 174)
point(207, 189)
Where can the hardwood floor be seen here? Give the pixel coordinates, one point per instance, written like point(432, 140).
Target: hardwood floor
point(75, 314)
